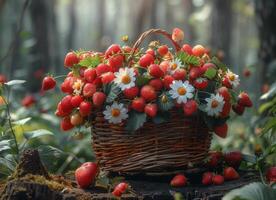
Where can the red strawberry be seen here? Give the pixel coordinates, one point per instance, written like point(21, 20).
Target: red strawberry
point(221, 130)
point(131, 93)
point(214, 159)
point(48, 83)
point(167, 81)
point(146, 60)
point(99, 99)
point(148, 93)
point(187, 48)
point(271, 175)
point(223, 91)
point(151, 109)
point(3, 79)
point(28, 101)
point(120, 189)
point(89, 89)
point(244, 100)
point(177, 35)
point(195, 72)
point(90, 75)
point(163, 50)
point(151, 52)
point(71, 59)
point(115, 62)
point(226, 82)
point(138, 104)
point(190, 107)
point(127, 49)
point(225, 110)
point(164, 65)
point(157, 84)
point(66, 105)
point(206, 66)
point(85, 108)
point(200, 83)
point(65, 124)
point(246, 72)
point(107, 77)
point(60, 112)
point(155, 71)
point(233, 159)
point(230, 173)
point(66, 86)
point(207, 178)
point(76, 100)
point(98, 82)
point(86, 174)
point(102, 68)
point(239, 109)
point(179, 74)
point(76, 119)
point(218, 180)
point(112, 49)
point(179, 181)
point(198, 50)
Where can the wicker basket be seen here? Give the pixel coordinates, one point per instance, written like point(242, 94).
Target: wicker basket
point(154, 148)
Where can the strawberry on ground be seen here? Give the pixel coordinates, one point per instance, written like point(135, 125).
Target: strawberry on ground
point(233, 158)
point(230, 173)
point(218, 179)
point(207, 178)
point(178, 181)
point(120, 189)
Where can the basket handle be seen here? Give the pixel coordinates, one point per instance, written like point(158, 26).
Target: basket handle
point(149, 32)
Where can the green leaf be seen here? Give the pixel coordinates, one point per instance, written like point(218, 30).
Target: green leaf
point(90, 61)
point(219, 64)
point(270, 94)
point(161, 117)
point(135, 121)
point(210, 73)
point(8, 162)
point(37, 133)
point(188, 59)
point(49, 151)
point(256, 191)
point(112, 91)
point(142, 80)
point(15, 82)
point(5, 145)
point(271, 123)
point(22, 121)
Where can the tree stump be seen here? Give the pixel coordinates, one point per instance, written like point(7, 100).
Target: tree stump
point(31, 181)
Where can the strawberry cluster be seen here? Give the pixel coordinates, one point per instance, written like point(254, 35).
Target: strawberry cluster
point(125, 83)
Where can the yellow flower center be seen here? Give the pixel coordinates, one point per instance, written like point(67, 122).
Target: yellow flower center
point(214, 104)
point(77, 85)
point(126, 79)
point(164, 99)
point(181, 91)
point(174, 66)
point(115, 112)
point(232, 77)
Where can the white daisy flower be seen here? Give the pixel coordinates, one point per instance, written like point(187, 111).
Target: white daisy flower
point(175, 65)
point(181, 91)
point(125, 78)
point(214, 104)
point(77, 86)
point(115, 113)
point(233, 78)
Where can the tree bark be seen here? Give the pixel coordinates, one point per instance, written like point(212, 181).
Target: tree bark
point(266, 15)
point(221, 26)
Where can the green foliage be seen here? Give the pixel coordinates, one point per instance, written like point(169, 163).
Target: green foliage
point(188, 59)
point(90, 62)
point(112, 91)
point(142, 80)
point(135, 121)
point(37, 133)
point(219, 64)
point(210, 73)
point(256, 191)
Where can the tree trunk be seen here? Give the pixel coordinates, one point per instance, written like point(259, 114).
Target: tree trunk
point(266, 22)
point(221, 27)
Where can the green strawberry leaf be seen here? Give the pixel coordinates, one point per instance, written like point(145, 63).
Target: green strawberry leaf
point(112, 91)
point(161, 117)
point(188, 59)
point(142, 80)
point(210, 73)
point(219, 64)
point(135, 120)
point(90, 62)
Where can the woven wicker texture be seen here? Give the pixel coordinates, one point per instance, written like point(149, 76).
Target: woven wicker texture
point(154, 147)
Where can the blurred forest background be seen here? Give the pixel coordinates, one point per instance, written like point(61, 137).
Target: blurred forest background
point(36, 34)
